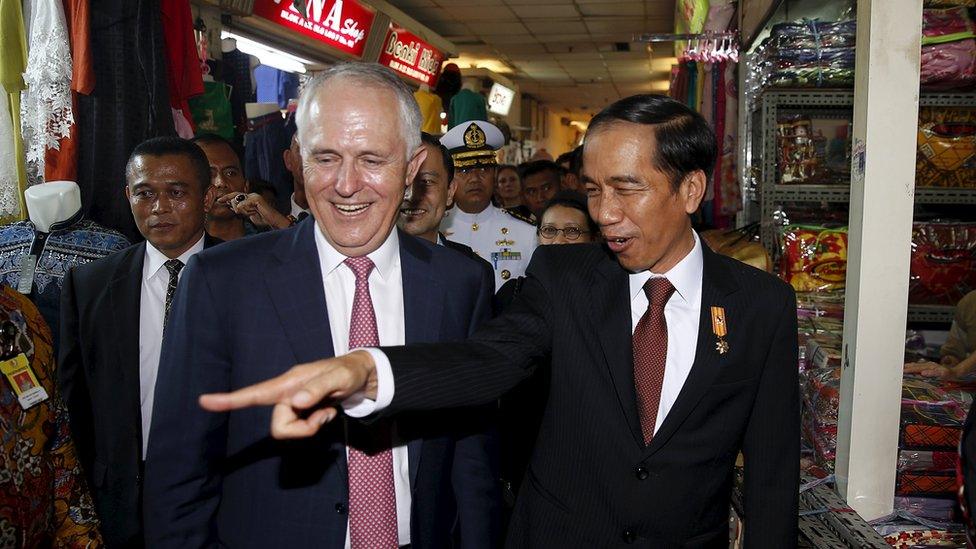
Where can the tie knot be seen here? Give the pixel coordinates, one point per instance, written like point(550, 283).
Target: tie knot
point(361, 266)
point(658, 291)
point(174, 266)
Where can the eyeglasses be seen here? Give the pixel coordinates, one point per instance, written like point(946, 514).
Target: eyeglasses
point(571, 233)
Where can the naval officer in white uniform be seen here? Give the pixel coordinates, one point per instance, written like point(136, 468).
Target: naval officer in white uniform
point(500, 237)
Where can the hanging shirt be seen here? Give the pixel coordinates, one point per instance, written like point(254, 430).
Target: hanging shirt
point(431, 108)
point(466, 106)
point(275, 85)
point(183, 68)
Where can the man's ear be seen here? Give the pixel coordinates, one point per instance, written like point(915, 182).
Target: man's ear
point(451, 189)
point(413, 165)
point(692, 191)
point(209, 198)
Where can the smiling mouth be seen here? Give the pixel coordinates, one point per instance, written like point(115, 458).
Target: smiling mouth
point(351, 209)
point(413, 212)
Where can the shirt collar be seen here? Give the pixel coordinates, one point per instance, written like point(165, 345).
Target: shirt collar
point(155, 259)
point(295, 208)
point(686, 276)
point(385, 258)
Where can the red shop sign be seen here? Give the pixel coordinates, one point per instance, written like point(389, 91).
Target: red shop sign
point(342, 24)
point(410, 56)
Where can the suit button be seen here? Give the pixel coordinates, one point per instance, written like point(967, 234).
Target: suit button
point(641, 473)
point(341, 508)
point(628, 536)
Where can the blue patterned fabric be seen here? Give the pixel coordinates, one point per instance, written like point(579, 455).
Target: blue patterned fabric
point(75, 242)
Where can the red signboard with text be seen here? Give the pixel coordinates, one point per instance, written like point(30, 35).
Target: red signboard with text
point(341, 24)
point(410, 56)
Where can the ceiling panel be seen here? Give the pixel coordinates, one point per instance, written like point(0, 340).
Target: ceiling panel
point(479, 13)
point(556, 27)
point(612, 8)
point(546, 11)
point(489, 28)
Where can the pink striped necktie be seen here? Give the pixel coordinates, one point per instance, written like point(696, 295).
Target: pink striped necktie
point(372, 499)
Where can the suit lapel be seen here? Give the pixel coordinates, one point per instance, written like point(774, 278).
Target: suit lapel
point(610, 315)
point(125, 291)
point(423, 304)
point(717, 283)
point(294, 280)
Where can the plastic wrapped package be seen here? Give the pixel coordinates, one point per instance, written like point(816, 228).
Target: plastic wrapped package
point(932, 461)
point(824, 306)
point(943, 263)
point(804, 54)
point(946, 22)
point(939, 509)
point(813, 151)
point(948, 66)
point(925, 484)
point(914, 536)
point(946, 155)
point(821, 400)
point(814, 258)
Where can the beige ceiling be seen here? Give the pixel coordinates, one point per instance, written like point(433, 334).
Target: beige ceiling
point(574, 55)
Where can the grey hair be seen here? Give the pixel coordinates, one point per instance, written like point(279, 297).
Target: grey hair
point(372, 74)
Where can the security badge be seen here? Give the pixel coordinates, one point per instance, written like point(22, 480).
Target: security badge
point(23, 381)
point(720, 329)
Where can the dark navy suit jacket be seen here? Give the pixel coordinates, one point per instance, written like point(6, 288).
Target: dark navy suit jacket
point(250, 310)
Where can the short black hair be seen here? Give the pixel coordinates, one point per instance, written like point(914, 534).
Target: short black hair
point(685, 142)
point(574, 200)
point(538, 166)
point(174, 146)
point(445, 154)
point(214, 139)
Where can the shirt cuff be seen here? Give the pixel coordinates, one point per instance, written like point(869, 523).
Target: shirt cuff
point(358, 406)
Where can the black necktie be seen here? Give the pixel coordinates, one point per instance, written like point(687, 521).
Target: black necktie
point(174, 266)
point(302, 216)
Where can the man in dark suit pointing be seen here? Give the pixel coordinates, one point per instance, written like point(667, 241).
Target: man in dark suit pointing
point(667, 361)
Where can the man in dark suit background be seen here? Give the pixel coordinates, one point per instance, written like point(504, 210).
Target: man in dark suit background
point(668, 360)
point(251, 309)
point(113, 313)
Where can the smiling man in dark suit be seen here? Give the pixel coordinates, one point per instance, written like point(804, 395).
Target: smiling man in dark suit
point(667, 361)
point(113, 313)
point(252, 308)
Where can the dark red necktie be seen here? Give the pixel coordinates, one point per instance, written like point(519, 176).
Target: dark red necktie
point(650, 353)
point(372, 498)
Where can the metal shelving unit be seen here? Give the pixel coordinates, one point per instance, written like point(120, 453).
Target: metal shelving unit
point(834, 103)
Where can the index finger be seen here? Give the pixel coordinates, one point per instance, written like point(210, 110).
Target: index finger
point(265, 393)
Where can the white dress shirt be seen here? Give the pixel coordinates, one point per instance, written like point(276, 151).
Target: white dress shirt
point(682, 313)
point(152, 305)
point(296, 210)
point(386, 291)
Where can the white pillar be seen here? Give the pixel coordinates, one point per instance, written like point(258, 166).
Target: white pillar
point(882, 198)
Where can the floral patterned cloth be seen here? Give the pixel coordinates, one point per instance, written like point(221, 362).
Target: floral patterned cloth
point(44, 500)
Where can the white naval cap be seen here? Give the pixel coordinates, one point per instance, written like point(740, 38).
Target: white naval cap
point(473, 143)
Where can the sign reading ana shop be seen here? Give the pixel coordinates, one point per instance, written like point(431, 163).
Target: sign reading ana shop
point(342, 24)
point(410, 56)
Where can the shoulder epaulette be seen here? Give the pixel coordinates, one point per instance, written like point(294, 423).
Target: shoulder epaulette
point(530, 220)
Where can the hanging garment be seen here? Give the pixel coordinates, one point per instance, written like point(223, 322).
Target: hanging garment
point(236, 72)
point(9, 200)
point(182, 126)
point(45, 109)
point(431, 108)
point(275, 85)
point(692, 83)
point(73, 242)
point(13, 61)
point(130, 104)
point(467, 105)
point(44, 499)
point(61, 164)
point(717, 109)
point(729, 187)
point(264, 145)
point(183, 68)
point(212, 110)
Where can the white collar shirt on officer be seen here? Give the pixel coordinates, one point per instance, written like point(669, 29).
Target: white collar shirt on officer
point(497, 236)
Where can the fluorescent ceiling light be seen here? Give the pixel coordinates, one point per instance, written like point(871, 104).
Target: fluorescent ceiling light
point(268, 55)
point(470, 62)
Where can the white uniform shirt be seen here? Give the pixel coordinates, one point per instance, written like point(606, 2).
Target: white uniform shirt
point(152, 305)
point(386, 291)
point(497, 236)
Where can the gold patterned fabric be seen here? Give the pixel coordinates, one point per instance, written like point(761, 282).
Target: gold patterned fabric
point(44, 500)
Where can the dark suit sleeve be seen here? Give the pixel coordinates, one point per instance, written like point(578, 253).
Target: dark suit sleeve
point(772, 441)
point(72, 379)
point(475, 471)
point(186, 443)
point(478, 371)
